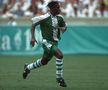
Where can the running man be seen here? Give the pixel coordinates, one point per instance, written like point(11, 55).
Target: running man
point(52, 25)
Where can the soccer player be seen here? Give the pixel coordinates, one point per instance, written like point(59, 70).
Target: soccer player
point(52, 25)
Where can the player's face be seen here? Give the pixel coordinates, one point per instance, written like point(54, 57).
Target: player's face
point(55, 10)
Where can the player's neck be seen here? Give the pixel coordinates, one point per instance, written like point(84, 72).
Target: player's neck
point(52, 14)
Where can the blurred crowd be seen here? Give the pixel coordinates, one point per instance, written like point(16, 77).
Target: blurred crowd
point(69, 8)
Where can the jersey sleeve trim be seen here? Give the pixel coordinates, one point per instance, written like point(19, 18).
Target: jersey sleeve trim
point(37, 19)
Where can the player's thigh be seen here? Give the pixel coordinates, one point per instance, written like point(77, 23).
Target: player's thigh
point(57, 52)
point(47, 55)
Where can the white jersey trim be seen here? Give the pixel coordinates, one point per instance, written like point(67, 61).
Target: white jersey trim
point(39, 18)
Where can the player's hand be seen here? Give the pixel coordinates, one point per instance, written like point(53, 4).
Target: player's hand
point(32, 42)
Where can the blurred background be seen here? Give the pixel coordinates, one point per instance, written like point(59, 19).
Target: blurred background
point(70, 8)
point(87, 22)
point(84, 45)
point(22, 10)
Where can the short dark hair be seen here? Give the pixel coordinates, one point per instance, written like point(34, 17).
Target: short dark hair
point(52, 3)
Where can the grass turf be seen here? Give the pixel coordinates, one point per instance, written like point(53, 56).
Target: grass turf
point(81, 72)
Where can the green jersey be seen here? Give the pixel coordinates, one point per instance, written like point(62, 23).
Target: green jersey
point(50, 26)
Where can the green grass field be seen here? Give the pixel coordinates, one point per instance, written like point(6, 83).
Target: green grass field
point(81, 72)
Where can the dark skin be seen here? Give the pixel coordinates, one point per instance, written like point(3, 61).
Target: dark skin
point(55, 10)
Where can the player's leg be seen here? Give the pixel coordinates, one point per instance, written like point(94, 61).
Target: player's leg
point(59, 66)
point(59, 63)
point(40, 62)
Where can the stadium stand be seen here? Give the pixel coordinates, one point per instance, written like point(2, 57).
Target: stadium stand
point(70, 8)
point(75, 11)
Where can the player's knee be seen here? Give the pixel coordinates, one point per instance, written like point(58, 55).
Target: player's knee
point(45, 60)
point(44, 63)
point(60, 56)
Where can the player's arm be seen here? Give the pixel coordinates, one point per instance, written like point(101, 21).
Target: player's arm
point(33, 39)
point(62, 29)
point(62, 25)
point(36, 21)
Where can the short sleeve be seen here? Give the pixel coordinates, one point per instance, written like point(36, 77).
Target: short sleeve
point(37, 19)
point(61, 22)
